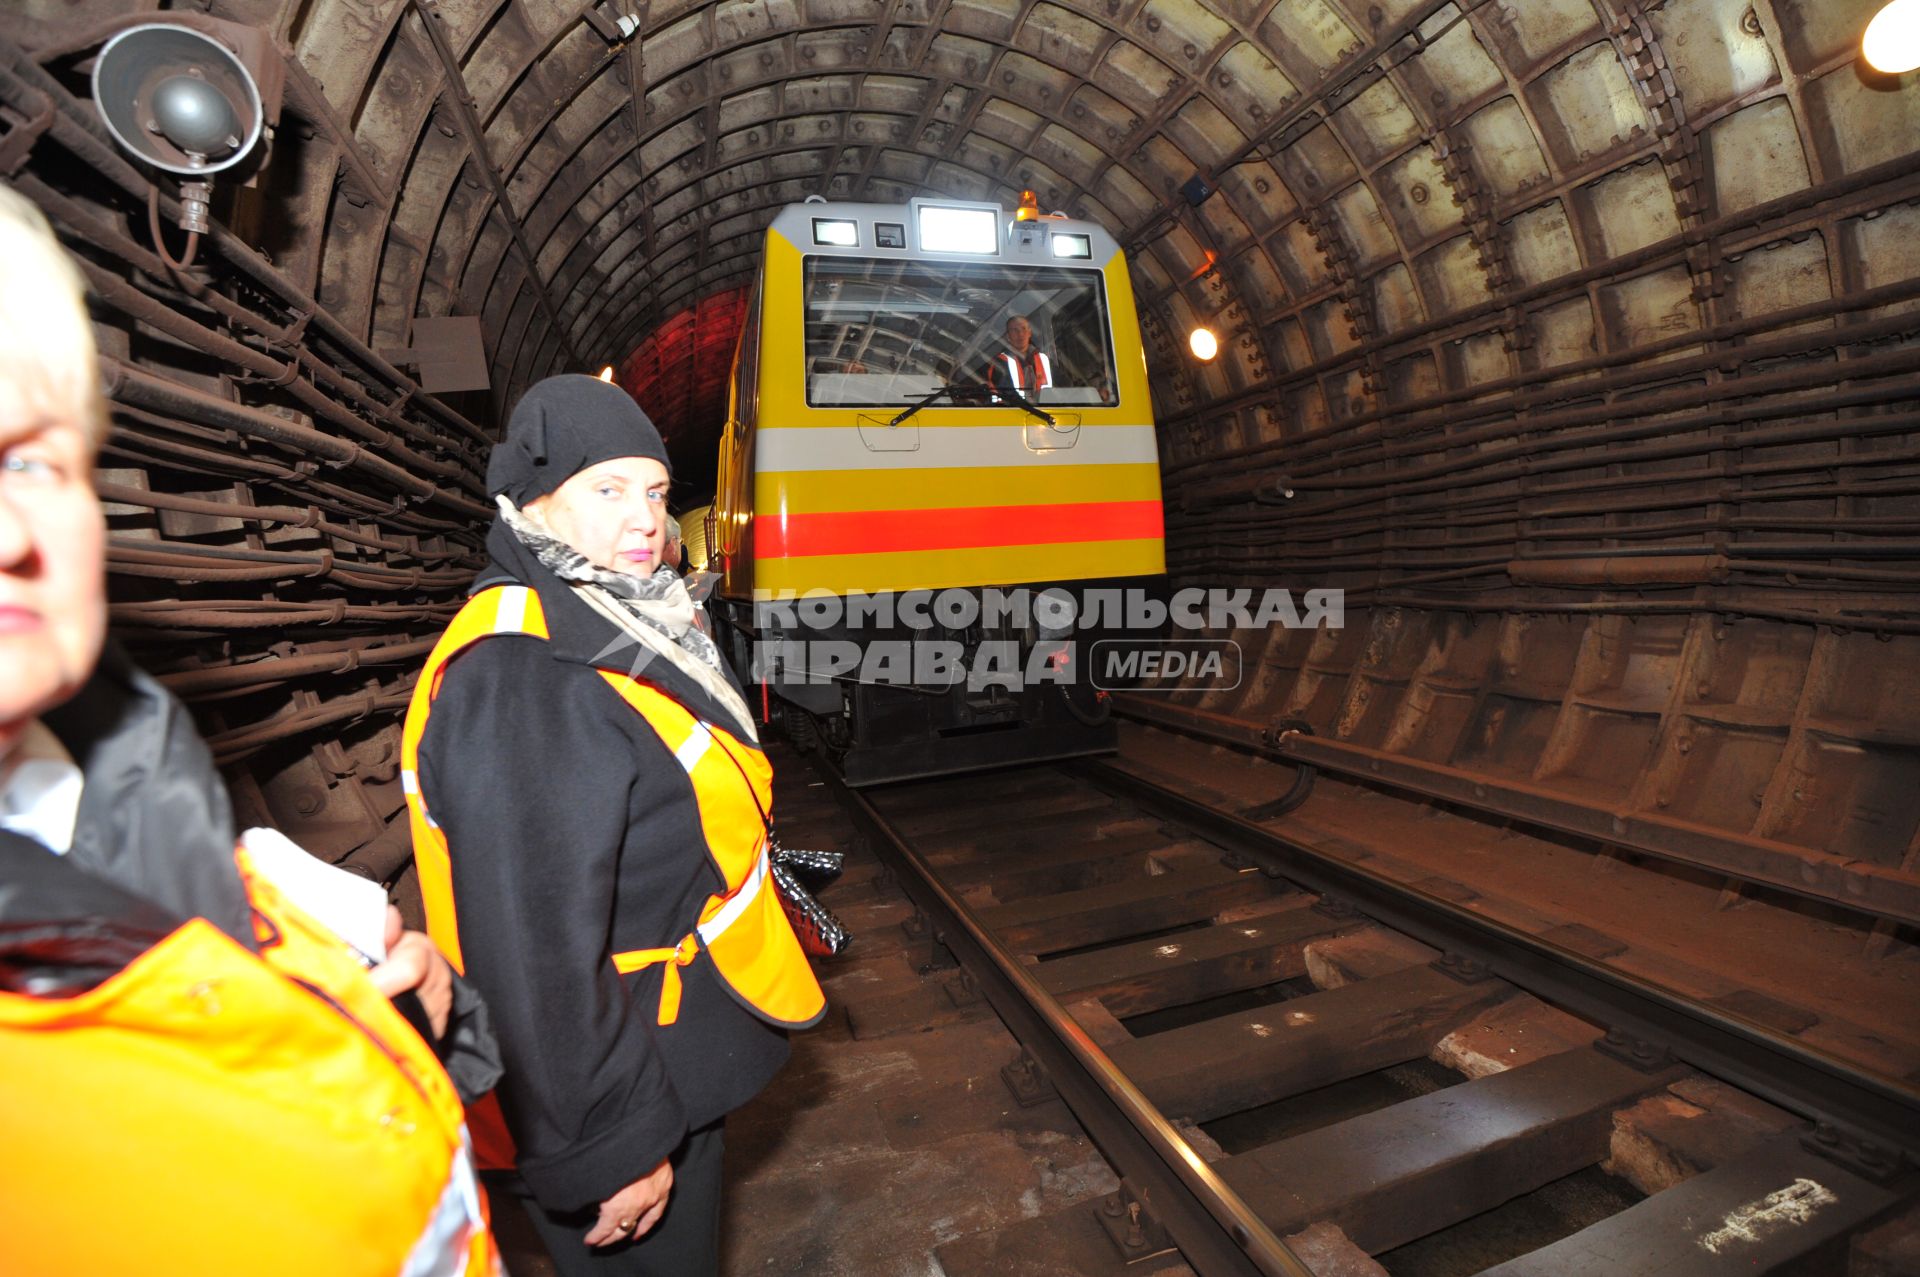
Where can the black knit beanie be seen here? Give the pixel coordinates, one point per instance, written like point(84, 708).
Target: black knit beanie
point(560, 427)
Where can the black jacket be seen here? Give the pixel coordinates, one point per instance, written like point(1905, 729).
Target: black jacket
point(154, 815)
point(152, 842)
point(573, 835)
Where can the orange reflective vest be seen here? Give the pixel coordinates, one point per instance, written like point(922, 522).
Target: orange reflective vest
point(209, 1111)
point(742, 929)
point(1033, 371)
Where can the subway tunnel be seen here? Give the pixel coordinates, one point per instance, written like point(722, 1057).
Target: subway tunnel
point(1572, 340)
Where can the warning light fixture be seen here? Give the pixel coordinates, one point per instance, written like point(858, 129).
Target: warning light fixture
point(606, 374)
point(1029, 210)
point(1203, 344)
point(1891, 43)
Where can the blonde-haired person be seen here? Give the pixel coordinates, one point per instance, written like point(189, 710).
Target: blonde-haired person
point(195, 1077)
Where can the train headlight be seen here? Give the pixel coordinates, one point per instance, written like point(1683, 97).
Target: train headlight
point(1073, 246)
point(1892, 40)
point(841, 232)
point(1203, 344)
point(959, 230)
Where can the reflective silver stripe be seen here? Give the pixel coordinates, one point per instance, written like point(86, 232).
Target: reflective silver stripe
point(446, 1242)
point(1013, 370)
point(513, 610)
point(410, 785)
point(694, 748)
point(737, 903)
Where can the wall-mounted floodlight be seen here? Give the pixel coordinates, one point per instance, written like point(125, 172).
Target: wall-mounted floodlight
point(841, 232)
point(192, 98)
point(177, 99)
point(1203, 344)
point(945, 229)
point(1891, 43)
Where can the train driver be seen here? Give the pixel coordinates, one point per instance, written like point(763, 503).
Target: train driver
point(1020, 365)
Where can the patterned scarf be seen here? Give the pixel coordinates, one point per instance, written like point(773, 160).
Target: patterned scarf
point(654, 611)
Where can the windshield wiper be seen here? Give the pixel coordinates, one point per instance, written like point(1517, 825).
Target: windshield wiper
point(1021, 399)
point(924, 400)
point(954, 389)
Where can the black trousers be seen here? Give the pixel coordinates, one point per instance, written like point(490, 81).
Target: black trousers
point(684, 1243)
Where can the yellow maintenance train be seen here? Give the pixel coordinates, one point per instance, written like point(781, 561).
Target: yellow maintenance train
point(916, 498)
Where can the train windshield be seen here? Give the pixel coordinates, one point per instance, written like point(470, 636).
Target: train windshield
point(885, 333)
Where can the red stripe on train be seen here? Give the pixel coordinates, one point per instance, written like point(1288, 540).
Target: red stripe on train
point(971, 527)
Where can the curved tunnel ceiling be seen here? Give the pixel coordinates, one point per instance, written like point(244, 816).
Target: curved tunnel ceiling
point(1389, 175)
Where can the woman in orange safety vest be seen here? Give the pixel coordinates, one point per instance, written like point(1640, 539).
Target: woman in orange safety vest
point(590, 815)
point(195, 1077)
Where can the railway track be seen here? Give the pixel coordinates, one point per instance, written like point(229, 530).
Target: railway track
point(1297, 1062)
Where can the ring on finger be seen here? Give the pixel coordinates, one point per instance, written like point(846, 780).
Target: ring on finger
point(625, 1225)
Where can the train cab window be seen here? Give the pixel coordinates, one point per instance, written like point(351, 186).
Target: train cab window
point(887, 333)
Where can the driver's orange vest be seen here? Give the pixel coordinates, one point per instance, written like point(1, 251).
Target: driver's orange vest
point(742, 930)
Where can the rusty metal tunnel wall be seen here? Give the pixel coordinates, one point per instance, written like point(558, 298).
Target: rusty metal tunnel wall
point(1573, 339)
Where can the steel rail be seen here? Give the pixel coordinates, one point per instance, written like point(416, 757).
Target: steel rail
point(1877, 1117)
point(1217, 1233)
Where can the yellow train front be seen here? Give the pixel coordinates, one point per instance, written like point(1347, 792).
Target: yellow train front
point(915, 558)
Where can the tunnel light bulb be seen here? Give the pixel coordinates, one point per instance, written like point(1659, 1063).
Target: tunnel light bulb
point(195, 116)
point(1892, 40)
point(1203, 344)
point(606, 374)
